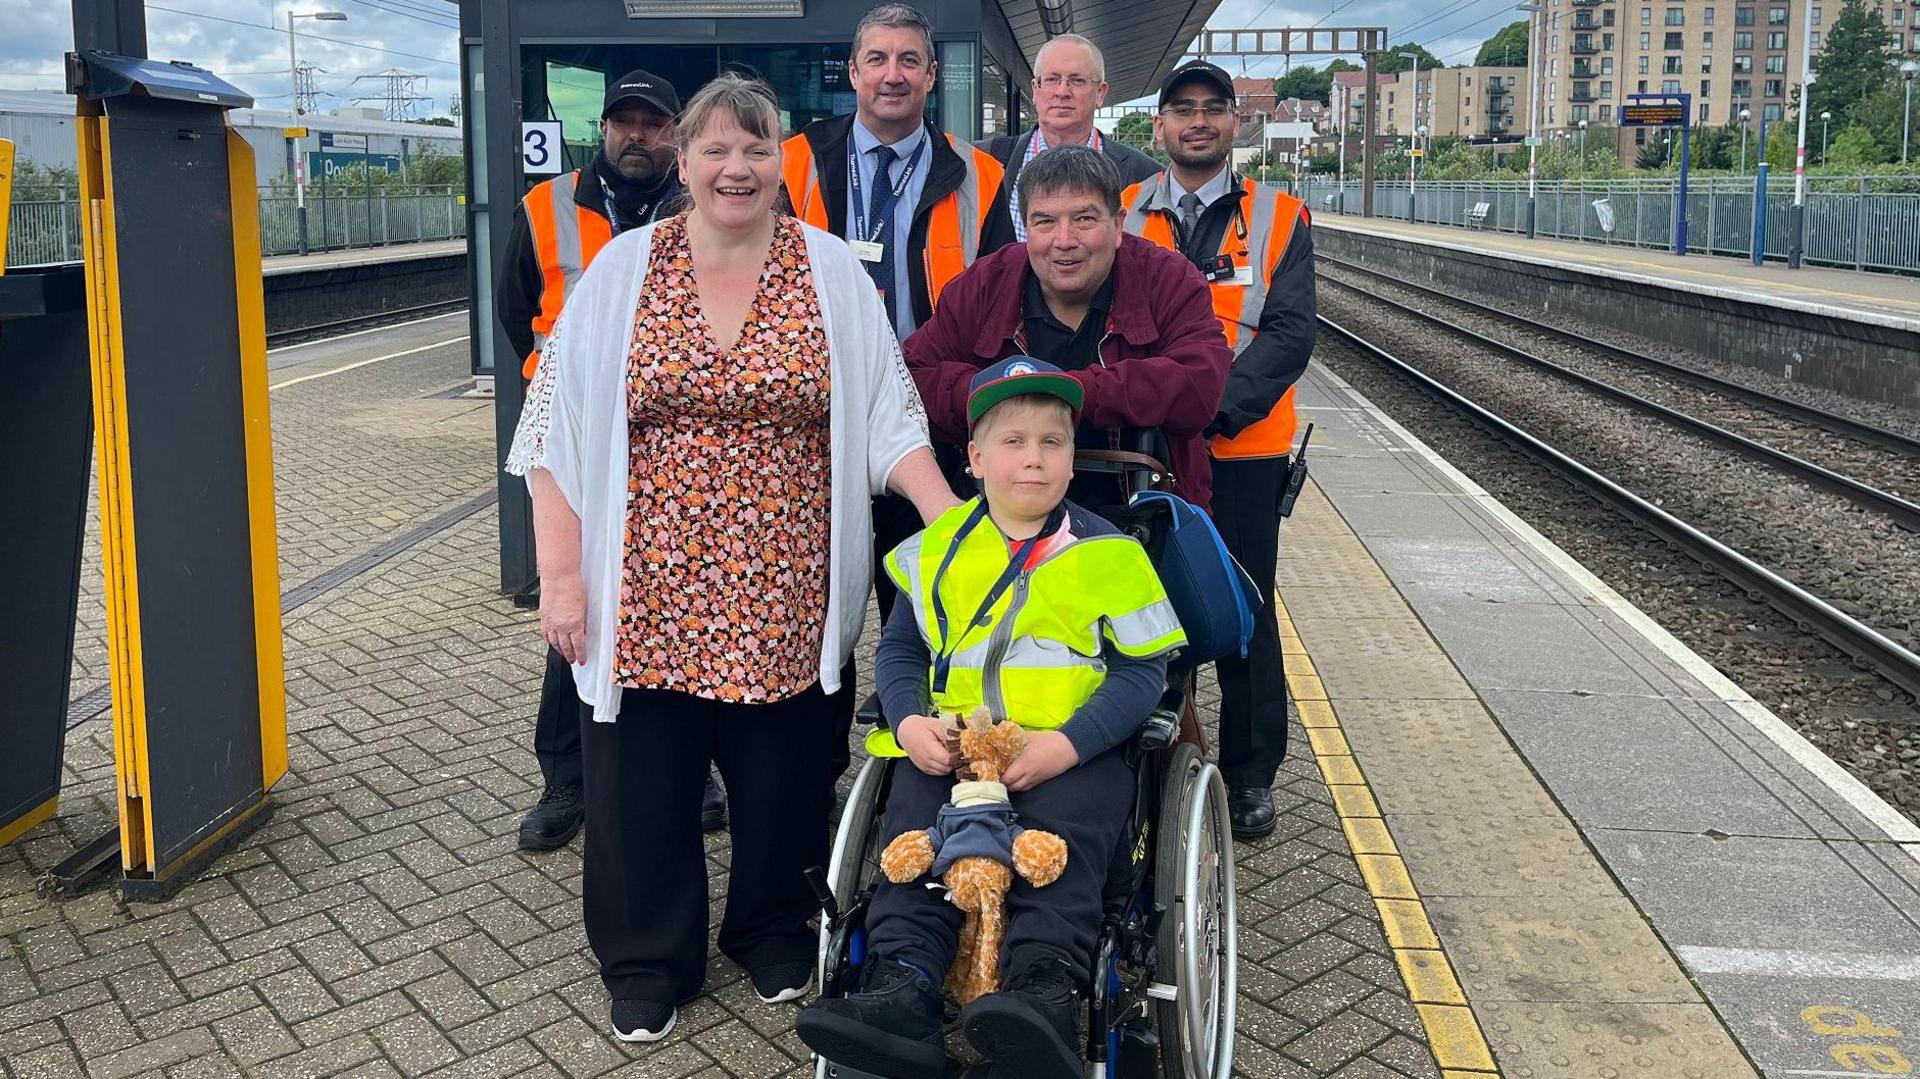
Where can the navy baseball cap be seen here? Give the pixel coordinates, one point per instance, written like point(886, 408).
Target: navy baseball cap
point(644, 86)
point(1197, 69)
point(1017, 375)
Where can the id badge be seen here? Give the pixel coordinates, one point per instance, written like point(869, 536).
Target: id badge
point(869, 251)
point(1243, 275)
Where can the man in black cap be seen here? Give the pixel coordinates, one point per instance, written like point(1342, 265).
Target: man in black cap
point(1255, 248)
point(558, 228)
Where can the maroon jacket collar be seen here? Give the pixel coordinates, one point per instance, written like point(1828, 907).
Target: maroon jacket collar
point(1006, 272)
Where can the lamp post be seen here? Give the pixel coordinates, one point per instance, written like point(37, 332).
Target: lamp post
point(293, 73)
point(1796, 218)
point(1907, 71)
point(1745, 115)
point(1340, 120)
point(1533, 112)
point(1825, 117)
point(1583, 152)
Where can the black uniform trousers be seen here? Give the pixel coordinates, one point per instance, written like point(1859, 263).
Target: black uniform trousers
point(1253, 691)
point(1086, 805)
point(556, 726)
point(645, 886)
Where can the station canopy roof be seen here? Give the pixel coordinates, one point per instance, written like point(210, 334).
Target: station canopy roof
point(1142, 40)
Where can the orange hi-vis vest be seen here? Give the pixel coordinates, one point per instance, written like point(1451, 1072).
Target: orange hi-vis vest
point(1256, 241)
point(566, 237)
point(953, 229)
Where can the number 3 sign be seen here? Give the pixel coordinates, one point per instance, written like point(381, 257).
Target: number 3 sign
point(541, 152)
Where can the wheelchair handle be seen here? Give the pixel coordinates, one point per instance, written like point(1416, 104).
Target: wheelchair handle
point(817, 880)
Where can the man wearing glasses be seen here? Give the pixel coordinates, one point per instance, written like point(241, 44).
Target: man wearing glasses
point(1069, 83)
point(1255, 250)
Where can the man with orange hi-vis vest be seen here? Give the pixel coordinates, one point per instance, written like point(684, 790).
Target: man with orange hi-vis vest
point(557, 230)
point(1256, 251)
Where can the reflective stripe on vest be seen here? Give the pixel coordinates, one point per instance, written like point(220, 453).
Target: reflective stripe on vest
point(1035, 657)
point(1270, 227)
point(953, 227)
point(566, 237)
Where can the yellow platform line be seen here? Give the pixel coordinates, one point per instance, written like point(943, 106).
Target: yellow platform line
point(1458, 1044)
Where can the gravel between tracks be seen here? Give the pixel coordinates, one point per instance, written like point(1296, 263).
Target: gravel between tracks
point(1855, 717)
point(1890, 471)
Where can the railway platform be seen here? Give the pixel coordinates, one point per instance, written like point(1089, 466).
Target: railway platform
point(274, 265)
point(1523, 831)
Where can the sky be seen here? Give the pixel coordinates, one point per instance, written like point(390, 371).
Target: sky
point(245, 41)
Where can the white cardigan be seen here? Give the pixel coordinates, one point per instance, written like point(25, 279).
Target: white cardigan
point(574, 425)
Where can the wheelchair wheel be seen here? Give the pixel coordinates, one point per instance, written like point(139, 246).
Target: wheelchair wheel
point(849, 869)
point(1198, 939)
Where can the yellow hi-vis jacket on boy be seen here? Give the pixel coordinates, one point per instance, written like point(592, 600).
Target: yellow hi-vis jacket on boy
point(1025, 643)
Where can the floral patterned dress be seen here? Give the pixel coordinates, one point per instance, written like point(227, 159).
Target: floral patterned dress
point(723, 591)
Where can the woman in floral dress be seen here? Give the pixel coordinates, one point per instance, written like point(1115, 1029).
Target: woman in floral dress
point(720, 400)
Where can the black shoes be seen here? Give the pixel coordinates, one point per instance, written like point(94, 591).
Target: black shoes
point(713, 806)
point(553, 823)
point(890, 1028)
point(782, 981)
point(1250, 810)
point(642, 1020)
point(1028, 1028)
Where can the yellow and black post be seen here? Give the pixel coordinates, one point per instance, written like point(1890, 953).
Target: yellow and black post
point(184, 458)
point(44, 437)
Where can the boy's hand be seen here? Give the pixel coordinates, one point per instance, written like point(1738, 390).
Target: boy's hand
point(1048, 754)
point(925, 740)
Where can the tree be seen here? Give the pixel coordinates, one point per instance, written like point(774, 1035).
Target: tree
point(1389, 62)
point(1855, 62)
point(1653, 153)
point(1506, 48)
point(1855, 148)
point(435, 121)
point(1135, 129)
point(1309, 83)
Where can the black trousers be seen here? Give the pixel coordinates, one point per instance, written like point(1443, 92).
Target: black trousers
point(645, 886)
point(556, 727)
point(1086, 805)
point(1253, 691)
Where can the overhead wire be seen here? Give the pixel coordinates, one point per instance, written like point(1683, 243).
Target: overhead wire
point(296, 33)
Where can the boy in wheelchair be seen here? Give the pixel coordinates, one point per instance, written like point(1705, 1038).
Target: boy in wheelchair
point(1048, 615)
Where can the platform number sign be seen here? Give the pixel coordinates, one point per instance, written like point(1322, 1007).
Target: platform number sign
point(541, 151)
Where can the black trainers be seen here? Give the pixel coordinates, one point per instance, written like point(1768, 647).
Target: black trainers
point(553, 823)
point(1250, 812)
point(643, 1020)
point(713, 806)
point(782, 981)
point(890, 1028)
point(1029, 1028)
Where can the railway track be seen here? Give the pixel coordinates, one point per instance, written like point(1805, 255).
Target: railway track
point(297, 334)
point(1865, 645)
point(1847, 426)
point(1861, 493)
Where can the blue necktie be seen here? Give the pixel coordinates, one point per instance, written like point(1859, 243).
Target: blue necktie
point(882, 271)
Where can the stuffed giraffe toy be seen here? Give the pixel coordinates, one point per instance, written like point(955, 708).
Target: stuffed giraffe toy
point(975, 846)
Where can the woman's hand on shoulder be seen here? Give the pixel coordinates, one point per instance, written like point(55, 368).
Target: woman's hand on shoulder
point(563, 615)
point(925, 740)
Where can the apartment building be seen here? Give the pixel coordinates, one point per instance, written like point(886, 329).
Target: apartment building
point(1729, 54)
point(1479, 103)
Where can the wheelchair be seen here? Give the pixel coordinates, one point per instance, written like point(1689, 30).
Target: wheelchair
point(1162, 1002)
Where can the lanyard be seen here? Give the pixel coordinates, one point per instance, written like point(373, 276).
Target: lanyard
point(613, 214)
point(885, 212)
point(943, 661)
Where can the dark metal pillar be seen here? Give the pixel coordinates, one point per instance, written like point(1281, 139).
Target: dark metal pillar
point(116, 26)
point(1366, 142)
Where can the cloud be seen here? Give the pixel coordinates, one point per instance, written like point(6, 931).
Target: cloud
point(245, 42)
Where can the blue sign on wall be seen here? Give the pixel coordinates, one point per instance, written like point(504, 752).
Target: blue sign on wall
point(322, 165)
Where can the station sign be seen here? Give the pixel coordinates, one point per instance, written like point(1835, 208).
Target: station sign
point(338, 140)
point(1653, 114)
point(541, 151)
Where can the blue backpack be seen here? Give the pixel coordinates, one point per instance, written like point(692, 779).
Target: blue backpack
point(1212, 594)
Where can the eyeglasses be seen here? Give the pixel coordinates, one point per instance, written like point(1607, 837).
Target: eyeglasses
point(1212, 110)
point(1076, 83)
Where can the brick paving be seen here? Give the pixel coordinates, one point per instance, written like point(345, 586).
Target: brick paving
point(384, 922)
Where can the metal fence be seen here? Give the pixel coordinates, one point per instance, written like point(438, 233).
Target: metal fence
point(1861, 223)
point(48, 230)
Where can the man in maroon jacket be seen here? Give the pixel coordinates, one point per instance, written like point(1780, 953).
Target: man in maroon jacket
point(1132, 321)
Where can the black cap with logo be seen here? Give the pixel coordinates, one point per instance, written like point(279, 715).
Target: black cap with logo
point(1197, 69)
point(642, 86)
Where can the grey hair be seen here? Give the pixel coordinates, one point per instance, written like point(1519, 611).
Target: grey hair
point(749, 101)
point(896, 17)
point(1070, 168)
point(1099, 58)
